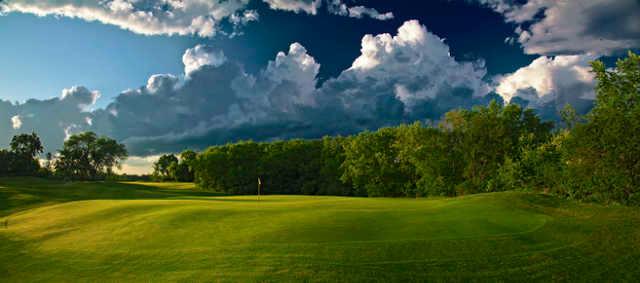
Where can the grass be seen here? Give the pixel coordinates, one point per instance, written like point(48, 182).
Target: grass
point(172, 232)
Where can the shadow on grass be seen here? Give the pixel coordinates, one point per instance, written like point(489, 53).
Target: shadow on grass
point(23, 193)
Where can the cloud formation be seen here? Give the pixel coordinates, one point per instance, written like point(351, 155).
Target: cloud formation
point(551, 27)
point(548, 83)
point(16, 122)
point(337, 7)
point(167, 17)
point(398, 78)
point(177, 17)
point(201, 55)
point(296, 6)
point(53, 119)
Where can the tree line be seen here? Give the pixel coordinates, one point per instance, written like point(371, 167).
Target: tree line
point(486, 149)
point(84, 156)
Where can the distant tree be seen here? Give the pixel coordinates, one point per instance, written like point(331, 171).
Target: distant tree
point(25, 149)
point(86, 156)
point(163, 168)
point(5, 162)
point(183, 170)
point(26, 145)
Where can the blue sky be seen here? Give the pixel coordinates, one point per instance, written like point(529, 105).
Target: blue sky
point(167, 75)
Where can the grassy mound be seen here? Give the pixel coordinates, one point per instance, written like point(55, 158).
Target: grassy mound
point(53, 231)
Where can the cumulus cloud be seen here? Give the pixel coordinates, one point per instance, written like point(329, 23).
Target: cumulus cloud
point(415, 65)
point(201, 55)
point(80, 96)
point(240, 20)
point(397, 78)
point(297, 6)
point(550, 27)
point(551, 82)
point(16, 122)
point(53, 119)
point(168, 17)
point(337, 7)
point(174, 17)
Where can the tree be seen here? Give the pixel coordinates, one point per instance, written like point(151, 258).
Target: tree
point(487, 136)
point(603, 154)
point(182, 171)
point(26, 145)
point(25, 149)
point(86, 156)
point(5, 162)
point(163, 168)
point(434, 157)
point(372, 166)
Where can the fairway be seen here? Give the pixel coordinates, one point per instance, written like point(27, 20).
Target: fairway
point(52, 231)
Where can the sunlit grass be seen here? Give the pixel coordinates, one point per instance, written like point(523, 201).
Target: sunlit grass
point(171, 232)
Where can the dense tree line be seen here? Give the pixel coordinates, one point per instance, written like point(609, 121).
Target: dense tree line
point(484, 149)
point(84, 156)
point(462, 155)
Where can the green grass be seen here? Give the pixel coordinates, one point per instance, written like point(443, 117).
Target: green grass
point(171, 232)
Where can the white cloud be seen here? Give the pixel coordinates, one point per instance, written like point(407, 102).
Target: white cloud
point(201, 55)
point(549, 78)
point(204, 18)
point(16, 122)
point(298, 68)
point(168, 17)
point(416, 65)
point(552, 27)
point(337, 7)
point(162, 83)
point(297, 6)
point(398, 78)
point(239, 20)
point(81, 96)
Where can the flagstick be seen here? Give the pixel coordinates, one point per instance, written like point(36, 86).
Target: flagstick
point(259, 186)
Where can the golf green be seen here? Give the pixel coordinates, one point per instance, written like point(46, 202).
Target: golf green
point(53, 231)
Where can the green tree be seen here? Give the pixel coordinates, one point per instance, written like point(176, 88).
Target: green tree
point(164, 168)
point(603, 154)
point(372, 166)
point(25, 149)
point(86, 156)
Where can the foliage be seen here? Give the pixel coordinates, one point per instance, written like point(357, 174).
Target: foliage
point(86, 156)
point(22, 157)
point(484, 149)
point(373, 167)
point(163, 168)
point(603, 154)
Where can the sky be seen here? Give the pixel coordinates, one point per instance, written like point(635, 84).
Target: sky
point(167, 75)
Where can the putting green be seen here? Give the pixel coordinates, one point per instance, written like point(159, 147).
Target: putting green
point(170, 232)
